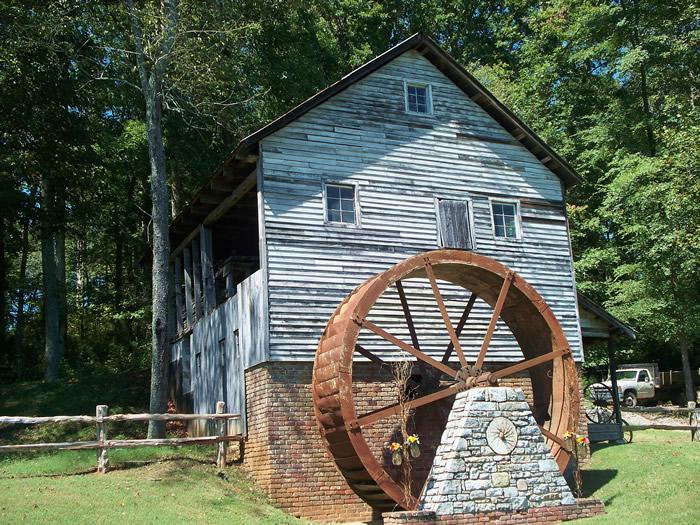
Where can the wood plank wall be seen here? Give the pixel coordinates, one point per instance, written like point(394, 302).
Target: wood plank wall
point(401, 163)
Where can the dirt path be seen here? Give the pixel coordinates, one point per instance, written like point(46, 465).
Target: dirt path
point(643, 418)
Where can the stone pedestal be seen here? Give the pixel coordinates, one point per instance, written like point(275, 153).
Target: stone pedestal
point(484, 465)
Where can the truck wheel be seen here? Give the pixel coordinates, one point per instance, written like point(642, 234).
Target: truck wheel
point(630, 399)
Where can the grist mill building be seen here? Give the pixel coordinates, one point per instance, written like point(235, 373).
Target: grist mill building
point(406, 154)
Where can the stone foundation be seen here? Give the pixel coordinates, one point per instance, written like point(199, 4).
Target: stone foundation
point(583, 508)
point(284, 453)
point(469, 475)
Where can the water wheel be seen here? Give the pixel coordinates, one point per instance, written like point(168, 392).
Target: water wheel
point(350, 432)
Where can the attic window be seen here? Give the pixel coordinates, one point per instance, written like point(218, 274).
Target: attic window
point(505, 219)
point(418, 98)
point(340, 204)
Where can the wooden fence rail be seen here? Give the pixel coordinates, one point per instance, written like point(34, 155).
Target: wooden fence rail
point(693, 419)
point(102, 444)
point(657, 410)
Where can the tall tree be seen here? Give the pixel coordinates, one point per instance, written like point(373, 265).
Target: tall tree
point(153, 54)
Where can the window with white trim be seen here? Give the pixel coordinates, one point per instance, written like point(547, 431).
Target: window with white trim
point(505, 219)
point(418, 98)
point(340, 203)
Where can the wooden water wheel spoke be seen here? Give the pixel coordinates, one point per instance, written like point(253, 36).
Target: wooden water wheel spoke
point(445, 315)
point(408, 348)
point(494, 319)
point(346, 374)
point(528, 363)
point(460, 326)
point(376, 415)
point(407, 314)
point(369, 355)
point(551, 435)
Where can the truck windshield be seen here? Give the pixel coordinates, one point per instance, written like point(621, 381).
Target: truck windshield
point(626, 374)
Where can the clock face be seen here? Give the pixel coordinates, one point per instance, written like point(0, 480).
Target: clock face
point(501, 435)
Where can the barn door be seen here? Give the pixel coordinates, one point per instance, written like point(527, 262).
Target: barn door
point(454, 228)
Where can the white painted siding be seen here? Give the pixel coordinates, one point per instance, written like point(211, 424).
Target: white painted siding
point(401, 163)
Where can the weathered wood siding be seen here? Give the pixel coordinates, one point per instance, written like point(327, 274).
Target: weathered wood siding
point(252, 314)
point(401, 164)
point(210, 365)
point(216, 367)
point(211, 359)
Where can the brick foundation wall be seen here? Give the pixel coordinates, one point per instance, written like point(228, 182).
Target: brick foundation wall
point(286, 457)
point(584, 508)
point(284, 453)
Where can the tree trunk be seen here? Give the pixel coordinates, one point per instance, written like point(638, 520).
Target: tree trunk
point(19, 321)
point(684, 347)
point(81, 280)
point(3, 284)
point(176, 192)
point(52, 317)
point(152, 87)
point(161, 253)
point(60, 254)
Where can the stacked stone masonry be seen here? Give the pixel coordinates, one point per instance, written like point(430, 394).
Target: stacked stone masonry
point(469, 476)
point(584, 508)
point(284, 453)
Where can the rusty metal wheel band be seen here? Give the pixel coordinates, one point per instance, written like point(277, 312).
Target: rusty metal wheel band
point(524, 311)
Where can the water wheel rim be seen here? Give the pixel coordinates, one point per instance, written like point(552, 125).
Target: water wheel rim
point(563, 406)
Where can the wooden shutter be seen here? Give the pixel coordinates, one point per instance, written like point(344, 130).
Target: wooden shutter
point(455, 230)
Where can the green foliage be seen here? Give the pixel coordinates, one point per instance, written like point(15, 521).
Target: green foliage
point(612, 86)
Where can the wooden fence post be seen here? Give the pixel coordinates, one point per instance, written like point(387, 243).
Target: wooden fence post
point(102, 452)
point(694, 420)
point(221, 448)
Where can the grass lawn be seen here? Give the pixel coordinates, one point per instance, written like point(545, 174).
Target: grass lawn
point(149, 486)
point(654, 480)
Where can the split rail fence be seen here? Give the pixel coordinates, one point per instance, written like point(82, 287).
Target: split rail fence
point(102, 444)
point(693, 419)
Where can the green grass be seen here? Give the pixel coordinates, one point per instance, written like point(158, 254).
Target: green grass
point(654, 480)
point(126, 392)
point(148, 486)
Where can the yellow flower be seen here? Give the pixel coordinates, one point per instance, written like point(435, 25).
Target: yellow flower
point(413, 439)
point(394, 447)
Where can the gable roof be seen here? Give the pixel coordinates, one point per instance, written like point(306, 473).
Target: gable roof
point(599, 311)
point(244, 155)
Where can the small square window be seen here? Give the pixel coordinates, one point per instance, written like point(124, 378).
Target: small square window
point(340, 203)
point(418, 98)
point(505, 217)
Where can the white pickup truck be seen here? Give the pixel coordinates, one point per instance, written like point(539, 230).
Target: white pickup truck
point(643, 382)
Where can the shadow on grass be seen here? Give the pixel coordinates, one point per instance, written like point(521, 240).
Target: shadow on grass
point(128, 465)
point(121, 466)
point(51, 475)
point(594, 480)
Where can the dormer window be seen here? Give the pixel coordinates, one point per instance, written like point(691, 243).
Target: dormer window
point(418, 98)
